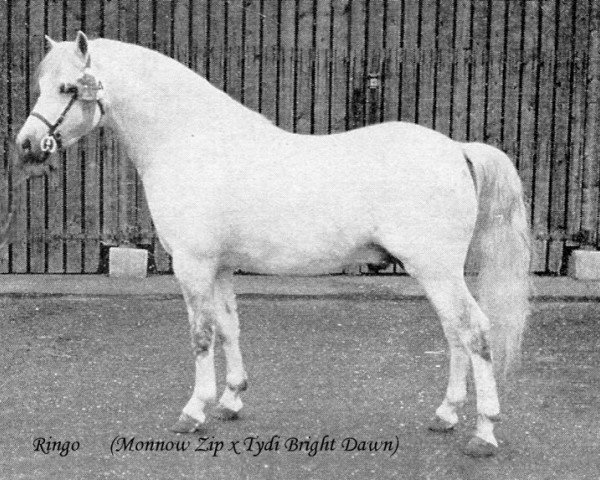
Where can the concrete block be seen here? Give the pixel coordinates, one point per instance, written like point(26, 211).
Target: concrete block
point(127, 262)
point(584, 265)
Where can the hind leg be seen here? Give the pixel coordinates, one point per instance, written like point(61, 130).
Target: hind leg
point(228, 329)
point(467, 330)
point(446, 416)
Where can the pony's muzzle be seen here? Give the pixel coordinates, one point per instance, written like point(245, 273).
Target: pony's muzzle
point(30, 156)
point(26, 145)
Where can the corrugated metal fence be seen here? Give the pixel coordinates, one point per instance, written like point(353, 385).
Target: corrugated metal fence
point(519, 74)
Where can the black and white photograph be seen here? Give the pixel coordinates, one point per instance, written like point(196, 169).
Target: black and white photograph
point(300, 239)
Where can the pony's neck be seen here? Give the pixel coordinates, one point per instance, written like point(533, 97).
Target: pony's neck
point(156, 105)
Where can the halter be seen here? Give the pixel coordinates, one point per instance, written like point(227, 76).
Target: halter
point(87, 89)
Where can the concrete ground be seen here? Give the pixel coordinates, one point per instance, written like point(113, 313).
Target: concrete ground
point(100, 362)
point(384, 286)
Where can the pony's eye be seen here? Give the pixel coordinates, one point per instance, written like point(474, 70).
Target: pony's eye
point(68, 88)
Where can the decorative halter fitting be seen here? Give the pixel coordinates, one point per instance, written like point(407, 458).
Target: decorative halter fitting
point(87, 89)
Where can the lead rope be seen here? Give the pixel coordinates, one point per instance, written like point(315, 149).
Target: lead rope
point(9, 218)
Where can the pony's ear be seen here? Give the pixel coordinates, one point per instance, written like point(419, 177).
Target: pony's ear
point(51, 42)
point(81, 47)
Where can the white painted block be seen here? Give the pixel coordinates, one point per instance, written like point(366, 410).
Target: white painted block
point(584, 265)
point(127, 262)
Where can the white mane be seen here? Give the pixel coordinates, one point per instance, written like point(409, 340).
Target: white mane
point(156, 103)
point(175, 79)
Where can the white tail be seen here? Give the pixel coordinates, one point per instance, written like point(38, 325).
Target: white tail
point(501, 244)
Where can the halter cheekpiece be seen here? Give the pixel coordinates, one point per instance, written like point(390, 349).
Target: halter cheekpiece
point(87, 89)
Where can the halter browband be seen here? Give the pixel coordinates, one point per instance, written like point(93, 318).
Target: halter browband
point(52, 140)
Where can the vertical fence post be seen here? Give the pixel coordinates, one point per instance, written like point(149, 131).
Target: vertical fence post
point(590, 178)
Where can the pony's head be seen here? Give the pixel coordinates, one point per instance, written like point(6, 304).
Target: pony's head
point(69, 107)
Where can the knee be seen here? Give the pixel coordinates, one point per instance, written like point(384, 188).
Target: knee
point(229, 337)
point(485, 350)
point(480, 346)
point(202, 339)
point(228, 331)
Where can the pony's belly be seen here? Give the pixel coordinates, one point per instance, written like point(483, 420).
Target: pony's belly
point(306, 263)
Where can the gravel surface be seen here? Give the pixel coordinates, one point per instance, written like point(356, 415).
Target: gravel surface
point(89, 370)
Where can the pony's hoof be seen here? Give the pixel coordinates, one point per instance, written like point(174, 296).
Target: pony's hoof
point(226, 414)
point(186, 424)
point(478, 447)
point(439, 425)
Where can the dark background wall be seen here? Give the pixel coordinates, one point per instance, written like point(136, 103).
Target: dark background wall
point(519, 74)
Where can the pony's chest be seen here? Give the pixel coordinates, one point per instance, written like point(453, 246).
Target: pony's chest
point(181, 209)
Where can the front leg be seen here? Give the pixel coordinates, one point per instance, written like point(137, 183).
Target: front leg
point(197, 277)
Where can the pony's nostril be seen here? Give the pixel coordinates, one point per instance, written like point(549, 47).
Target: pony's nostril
point(26, 145)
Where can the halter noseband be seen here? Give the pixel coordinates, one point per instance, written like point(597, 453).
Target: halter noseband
point(88, 88)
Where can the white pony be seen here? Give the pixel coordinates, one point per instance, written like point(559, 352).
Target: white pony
point(228, 190)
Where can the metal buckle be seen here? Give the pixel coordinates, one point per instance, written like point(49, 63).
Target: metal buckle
point(49, 144)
